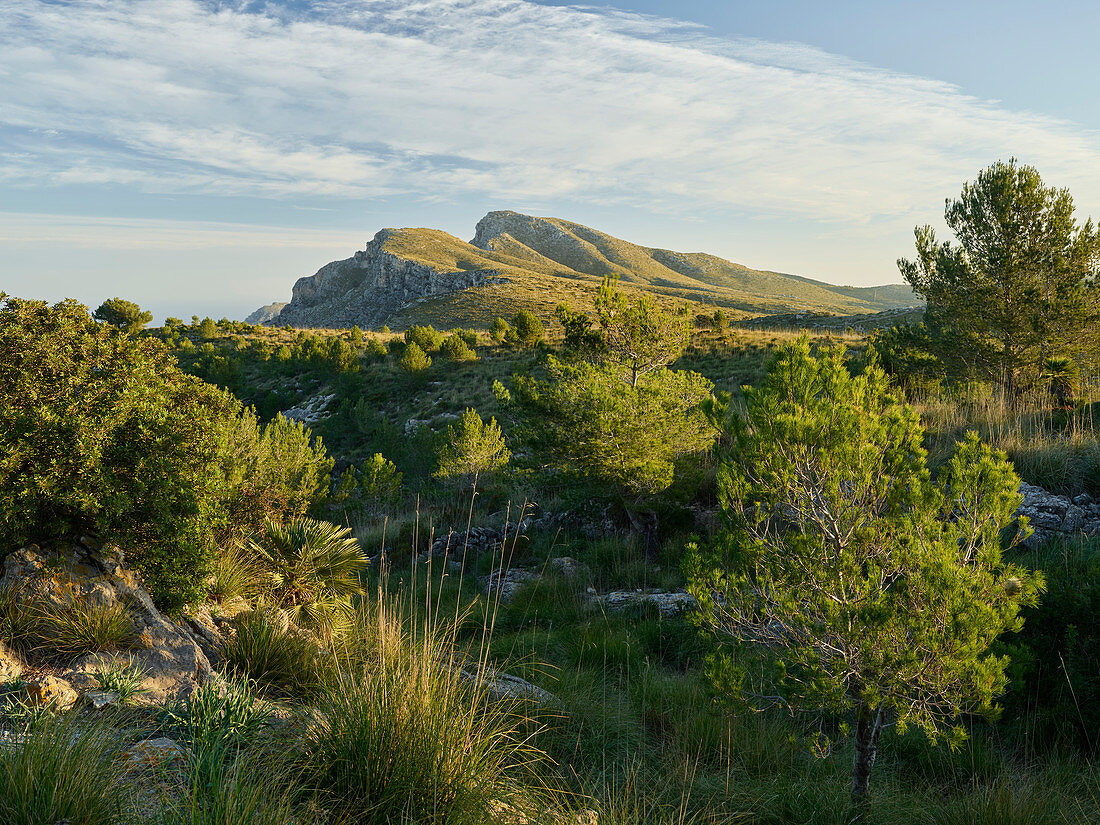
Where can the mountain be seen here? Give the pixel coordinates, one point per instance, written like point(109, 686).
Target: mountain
point(265, 313)
point(516, 261)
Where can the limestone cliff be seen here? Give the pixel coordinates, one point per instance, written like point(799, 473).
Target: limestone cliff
point(369, 287)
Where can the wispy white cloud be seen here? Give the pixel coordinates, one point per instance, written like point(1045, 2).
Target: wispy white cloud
point(504, 98)
point(48, 231)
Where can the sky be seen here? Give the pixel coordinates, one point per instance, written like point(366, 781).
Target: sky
point(199, 157)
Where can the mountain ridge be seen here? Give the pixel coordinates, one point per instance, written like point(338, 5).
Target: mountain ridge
point(520, 261)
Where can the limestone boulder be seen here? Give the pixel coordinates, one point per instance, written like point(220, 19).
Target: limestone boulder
point(82, 573)
point(50, 690)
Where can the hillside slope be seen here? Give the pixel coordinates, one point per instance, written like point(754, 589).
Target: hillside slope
point(518, 261)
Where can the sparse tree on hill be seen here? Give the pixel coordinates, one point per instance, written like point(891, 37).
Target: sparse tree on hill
point(125, 315)
point(639, 335)
point(1020, 284)
point(499, 330)
point(428, 338)
point(720, 322)
point(470, 447)
point(414, 359)
point(874, 592)
point(456, 349)
point(526, 330)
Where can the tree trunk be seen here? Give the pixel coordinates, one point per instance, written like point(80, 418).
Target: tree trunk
point(868, 730)
point(644, 522)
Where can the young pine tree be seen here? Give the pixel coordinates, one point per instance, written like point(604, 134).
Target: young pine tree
point(874, 591)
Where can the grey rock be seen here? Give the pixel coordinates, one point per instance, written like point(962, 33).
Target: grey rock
point(46, 689)
point(265, 313)
point(152, 754)
point(368, 288)
point(100, 699)
point(668, 603)
point(11, 666)
point(1083, 500)
point(502, 686)
point(173, 662)
point(503, 585)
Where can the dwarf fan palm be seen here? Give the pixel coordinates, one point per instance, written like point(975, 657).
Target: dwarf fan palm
point(314, 567)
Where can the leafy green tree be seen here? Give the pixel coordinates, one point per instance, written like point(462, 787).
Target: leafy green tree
point(427, 338)
point(580, 338)
point(208, 330)
point(639, 335)
point(471, 447)
point(414, 359)
point(374, 487)
point(314, 568)
point(499, 330)
point(874, 592)
point(1020, 283)
point(355, 336)
point(469, 336)
point(526, 330)
point(125, 315)
point(586, 421)
point(101, 432)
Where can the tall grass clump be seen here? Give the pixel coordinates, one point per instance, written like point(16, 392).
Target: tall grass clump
point(406, 737)
point(215, 718)
point(225, 789)
point(86, 627)
point(63, 771)
point(277, 657)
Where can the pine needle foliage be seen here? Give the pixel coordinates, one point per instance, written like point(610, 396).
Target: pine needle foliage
point(472, 446)
point(875, 591)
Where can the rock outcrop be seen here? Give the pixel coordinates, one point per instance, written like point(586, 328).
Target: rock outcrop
point(367, 288)
point(1051, 515)
point(84, 576)
point(265, 313)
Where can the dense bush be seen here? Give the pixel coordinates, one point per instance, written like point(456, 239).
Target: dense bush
point(526, 330)
point(456, 348)
point(1056, 657)
point(102, 432)
point(427, 338)
point(414, 359)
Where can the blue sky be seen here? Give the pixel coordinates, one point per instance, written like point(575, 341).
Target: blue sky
point(198, 157)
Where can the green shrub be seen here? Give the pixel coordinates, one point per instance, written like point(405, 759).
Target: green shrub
point(414, 359)
point(372, 488)
point(124, 679)
point(526, 331)
point(457, 349)
point(374, 348)
point(216, 718)
point(427, 338)
point(64, 771)
point(100, 431)
point(1056, 684)
point(499, 330)
point(235, 573)
point(231, 791)
point(471, 446)
point(276, 658)
point(469, 336)
point(19, 620)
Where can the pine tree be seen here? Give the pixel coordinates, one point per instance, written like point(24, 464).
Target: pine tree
point(875, 591)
